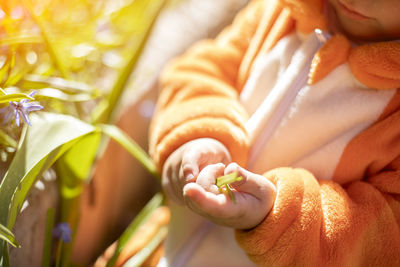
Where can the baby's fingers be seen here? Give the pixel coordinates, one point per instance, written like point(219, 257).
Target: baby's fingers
point(207, 203)
point(220, 208)
point(254, 184)
point(208, 175)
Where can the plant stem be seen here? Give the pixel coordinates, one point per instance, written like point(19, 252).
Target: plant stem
point(47, 246)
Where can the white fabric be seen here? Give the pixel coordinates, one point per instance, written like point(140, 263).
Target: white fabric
point(194, 241)
point(323, 118)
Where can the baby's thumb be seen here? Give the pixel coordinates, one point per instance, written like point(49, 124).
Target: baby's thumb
point(251, 183)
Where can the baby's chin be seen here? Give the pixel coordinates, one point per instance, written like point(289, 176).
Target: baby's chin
point(357, 31)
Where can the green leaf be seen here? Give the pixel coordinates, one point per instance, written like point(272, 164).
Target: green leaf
point(131, 146)
point(41, 145)
point(14, 97)
point(8, 236)
point(139, 220)
point(75, 165)
point(144, 13)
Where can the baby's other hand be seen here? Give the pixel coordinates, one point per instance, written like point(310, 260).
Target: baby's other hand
point(185, 163)
point(254, 196)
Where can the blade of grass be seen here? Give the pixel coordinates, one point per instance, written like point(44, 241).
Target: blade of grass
point(4, 71)
point(48, 238)
point(131, 146)
point(5, 257)
point(151, 10)
point(69, 86)
point(139, 220)
point(47, 39)
point(8, 236)
point(14, 97)
point(7, 140)
point(227, 179)
point(59, 95)
point(16, 75)
point(224, 181)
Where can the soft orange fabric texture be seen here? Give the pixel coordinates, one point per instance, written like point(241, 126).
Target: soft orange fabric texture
point(274, 24)
point(371, 151)
point(222, 130)
point(320, 223)
point(350, 221)
point(307, 13)
point(377, 65)
point(333, 53)
point(210, 68)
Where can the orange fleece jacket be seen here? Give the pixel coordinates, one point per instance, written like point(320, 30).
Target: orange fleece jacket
point(352, 220)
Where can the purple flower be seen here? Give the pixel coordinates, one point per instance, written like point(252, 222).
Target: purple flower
point(22, 108)
point(63, 231)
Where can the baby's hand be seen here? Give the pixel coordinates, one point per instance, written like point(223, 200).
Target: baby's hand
point(254, 196)
point(185, 163)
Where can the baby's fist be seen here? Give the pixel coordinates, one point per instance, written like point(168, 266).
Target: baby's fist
point(254, 196)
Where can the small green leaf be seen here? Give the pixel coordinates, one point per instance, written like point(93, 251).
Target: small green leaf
point(8, 236)
point(228, 179)
point(223, 182)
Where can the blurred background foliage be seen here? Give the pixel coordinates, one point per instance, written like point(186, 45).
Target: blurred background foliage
point(85, 42)
point(78, 56)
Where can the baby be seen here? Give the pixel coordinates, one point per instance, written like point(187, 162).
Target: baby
point(311, 121)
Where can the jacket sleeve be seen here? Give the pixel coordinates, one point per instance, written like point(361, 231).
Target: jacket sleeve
point(322, 223)
point(199, 96)
point(351, 220)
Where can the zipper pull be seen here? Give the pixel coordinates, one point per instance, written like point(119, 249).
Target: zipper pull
point(322, 36)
